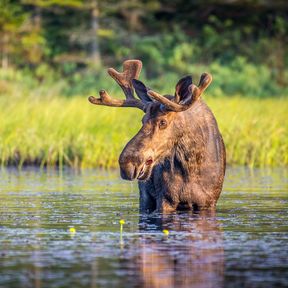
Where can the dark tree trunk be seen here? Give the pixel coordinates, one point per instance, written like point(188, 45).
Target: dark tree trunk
point(95, 51)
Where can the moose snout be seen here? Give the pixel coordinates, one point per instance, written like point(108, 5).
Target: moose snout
point(129, 165)
point(128, 171)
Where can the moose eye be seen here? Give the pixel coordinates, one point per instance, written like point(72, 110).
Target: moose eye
point(162, 124)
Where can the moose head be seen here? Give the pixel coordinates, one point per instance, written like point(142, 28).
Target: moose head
point(163, 122)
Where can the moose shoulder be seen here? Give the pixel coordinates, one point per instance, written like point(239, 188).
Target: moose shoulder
point(178, 155)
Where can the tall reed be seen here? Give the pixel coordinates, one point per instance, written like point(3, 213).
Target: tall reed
point(70, 131)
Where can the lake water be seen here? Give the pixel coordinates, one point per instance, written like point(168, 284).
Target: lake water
point(243, 244)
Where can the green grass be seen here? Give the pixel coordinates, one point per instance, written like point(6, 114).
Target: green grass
point(70, 131)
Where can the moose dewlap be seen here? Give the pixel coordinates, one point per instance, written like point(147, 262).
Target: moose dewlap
point(178, 155)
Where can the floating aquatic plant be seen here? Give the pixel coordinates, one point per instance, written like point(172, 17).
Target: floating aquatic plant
point(165, 232)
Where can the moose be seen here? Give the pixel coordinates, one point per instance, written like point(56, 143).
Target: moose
point(178, 156)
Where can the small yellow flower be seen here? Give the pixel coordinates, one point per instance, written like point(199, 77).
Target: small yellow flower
point(166, 232)
point(72, 230)
point(122, 222)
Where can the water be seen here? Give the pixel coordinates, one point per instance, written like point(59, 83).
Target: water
point(243, 244)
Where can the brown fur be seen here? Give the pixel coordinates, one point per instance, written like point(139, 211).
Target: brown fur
point(178, 155)
point(189, 159)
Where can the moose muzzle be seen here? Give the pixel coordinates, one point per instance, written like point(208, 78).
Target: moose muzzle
point(129, 165)
point(128, 171)
point(132, 168)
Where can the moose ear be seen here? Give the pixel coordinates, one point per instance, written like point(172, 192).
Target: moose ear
point(183, 93)
point(141, 91)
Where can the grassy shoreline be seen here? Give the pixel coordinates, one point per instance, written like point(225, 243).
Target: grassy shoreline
point(70, 131)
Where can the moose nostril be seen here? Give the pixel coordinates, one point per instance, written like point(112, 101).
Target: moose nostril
point(135, 173)
point(149, 161)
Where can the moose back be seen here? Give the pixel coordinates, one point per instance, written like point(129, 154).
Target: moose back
point(178, 156)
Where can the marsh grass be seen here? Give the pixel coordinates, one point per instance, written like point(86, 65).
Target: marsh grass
point(69, 131)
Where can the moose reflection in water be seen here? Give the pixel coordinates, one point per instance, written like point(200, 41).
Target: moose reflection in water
point(178, 155)
point(191, 256)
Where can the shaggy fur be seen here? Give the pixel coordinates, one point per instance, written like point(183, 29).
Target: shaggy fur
point(189, 159)
point(178, 155)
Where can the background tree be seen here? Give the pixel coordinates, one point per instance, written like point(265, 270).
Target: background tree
point(73, 39)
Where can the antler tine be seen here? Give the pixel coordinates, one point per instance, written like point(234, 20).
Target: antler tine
point(173, 106)
point(196, 92)
point(131, 70)
point(204, 82)
point(106, 100)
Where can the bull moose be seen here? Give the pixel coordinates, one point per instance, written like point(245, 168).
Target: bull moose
point(178, 156)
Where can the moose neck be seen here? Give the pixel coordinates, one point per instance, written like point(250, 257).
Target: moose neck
point(186, 157)
point(189, 151)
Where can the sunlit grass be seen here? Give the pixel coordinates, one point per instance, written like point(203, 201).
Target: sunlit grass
point(255, 131)
point(62, 131)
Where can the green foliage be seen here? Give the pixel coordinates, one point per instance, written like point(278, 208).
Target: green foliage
point(67, 35)
point(241, 77)
point(238, 77)
point(49, 3)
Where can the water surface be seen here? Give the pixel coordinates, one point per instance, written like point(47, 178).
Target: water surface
point(243, 244)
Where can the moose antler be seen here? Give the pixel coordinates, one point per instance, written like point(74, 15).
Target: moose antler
point(131, 70)
point(195, 91)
